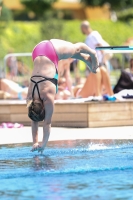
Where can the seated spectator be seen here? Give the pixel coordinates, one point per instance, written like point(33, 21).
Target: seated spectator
point(63, 92)
point(130, 69)
point(64, 72)
point(11, 90)
point(95, 85)
point(126, 79)
point(22, 68)
point(4, 95)
point(12, 65)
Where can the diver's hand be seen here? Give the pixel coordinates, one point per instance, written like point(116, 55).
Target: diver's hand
point(40, 150)
point(91, 61)
point(36, 147)
point(94, 62)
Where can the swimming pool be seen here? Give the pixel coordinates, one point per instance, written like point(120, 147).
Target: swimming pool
point(68, 170)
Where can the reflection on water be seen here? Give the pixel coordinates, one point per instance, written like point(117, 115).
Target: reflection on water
point(77, 170)
point(43, 163)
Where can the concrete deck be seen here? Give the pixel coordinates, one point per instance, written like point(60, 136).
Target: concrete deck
point(23, 135)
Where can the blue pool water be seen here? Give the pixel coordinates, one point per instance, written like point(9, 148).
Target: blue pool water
point(68, 170)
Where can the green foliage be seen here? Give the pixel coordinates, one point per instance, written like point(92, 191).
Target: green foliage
point(114, 3)
point(92, 2)
point(115, 33)
point(6, 14)
point(22, 36)
point(125, 15)
point(1, 2)
point(38, 6)
point(52, 28)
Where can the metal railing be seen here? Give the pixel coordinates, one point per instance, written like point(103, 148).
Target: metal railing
point(21, 59)
point(15, 55)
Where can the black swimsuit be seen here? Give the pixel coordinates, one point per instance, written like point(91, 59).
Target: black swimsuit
point(53, 80)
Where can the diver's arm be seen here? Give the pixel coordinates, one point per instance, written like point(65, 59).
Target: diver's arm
point(34, 131)
point(49, 108)
point(34, 126)
point(46, 134)
point(86, 54)
point(78, 51)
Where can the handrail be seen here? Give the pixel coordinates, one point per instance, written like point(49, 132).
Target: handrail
point(14, 54)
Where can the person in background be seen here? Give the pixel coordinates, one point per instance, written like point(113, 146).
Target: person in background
point(125, 81)
point(65, 80)
point(96, 86)
point(63, 92)
point(93, 40)
point(44, 81)
point(12, 66)
point(11, 90)
point(130, 69)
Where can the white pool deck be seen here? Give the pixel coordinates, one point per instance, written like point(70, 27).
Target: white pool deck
point(23, 135)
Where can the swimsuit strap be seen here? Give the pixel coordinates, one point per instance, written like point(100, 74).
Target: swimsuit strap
point(53, 80)
point(56, 80)
point(56, 71)
point(36, 86)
